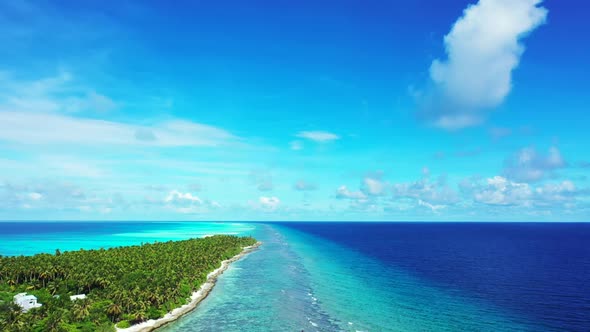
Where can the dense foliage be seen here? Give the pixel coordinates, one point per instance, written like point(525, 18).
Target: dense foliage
point(124, 285)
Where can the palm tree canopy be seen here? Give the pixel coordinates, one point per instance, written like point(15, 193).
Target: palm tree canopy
point(132, 283)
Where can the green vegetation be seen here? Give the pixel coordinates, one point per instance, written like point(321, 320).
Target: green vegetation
point(125, 285)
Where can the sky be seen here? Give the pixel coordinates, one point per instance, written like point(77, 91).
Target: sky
point(367, 110)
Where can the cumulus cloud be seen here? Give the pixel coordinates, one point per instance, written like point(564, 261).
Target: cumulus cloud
point(269, 203)
point(501, 191)
point(318, 136)
point(433, 207)
point(186, 202)
point(303, 185)
point(344, 193)
point(483, 48)
point(551, 193)
point(373, 186)
point(178, 198)
point(528, 165)
point(425, 190)
point(368, 198)
point(432, 195)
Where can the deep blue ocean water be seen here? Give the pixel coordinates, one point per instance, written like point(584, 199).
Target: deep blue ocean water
point(368, 276)
point(538, 271)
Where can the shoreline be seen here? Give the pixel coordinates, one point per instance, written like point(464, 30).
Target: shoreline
point(196, 297)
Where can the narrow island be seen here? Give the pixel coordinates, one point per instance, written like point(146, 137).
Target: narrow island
point(133, 288)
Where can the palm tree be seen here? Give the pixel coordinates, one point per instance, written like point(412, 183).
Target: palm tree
point(80, 309)
point(139, 316)
point(54, 322)
point(14, 319)
point(114, 311)
point(44, 276)
point(52, 287)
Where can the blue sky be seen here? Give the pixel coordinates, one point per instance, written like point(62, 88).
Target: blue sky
point(282, 110)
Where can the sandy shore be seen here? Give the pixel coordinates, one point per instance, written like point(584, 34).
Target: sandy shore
point(196, 297)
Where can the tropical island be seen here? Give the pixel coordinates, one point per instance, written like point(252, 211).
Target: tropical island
point(108, 289)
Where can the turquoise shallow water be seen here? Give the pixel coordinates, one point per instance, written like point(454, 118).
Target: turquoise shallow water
point(28, 238)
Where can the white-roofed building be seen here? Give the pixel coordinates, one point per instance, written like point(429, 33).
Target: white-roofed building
point(26, 302)
point(78, 297)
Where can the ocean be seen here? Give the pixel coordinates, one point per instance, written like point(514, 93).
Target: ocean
point(368, 276)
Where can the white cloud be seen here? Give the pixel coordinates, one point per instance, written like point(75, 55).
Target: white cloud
point(186, 202)
point(551, 193)
point(501, 191)
point(373, 186)
point(483, 48)
point(51, 111)
point(433, 195)
point(343, 193)
point(177, 197)
point(424, 190)
point(45, 129)
point(59, 93)
point(318, 136)
point(269, 203)
point(528, 165)
point(433, 207)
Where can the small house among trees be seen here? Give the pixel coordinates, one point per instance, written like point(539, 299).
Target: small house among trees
point(26, 302)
